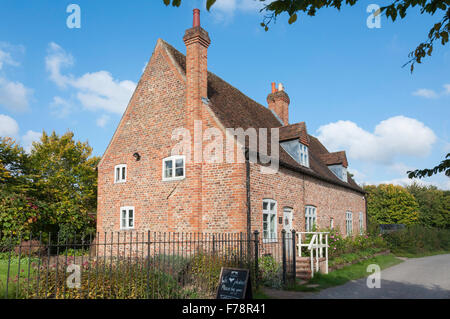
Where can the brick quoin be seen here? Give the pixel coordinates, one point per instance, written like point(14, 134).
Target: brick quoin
point(173, 92)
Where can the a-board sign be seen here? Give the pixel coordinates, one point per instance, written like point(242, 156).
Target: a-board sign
point(234, 283)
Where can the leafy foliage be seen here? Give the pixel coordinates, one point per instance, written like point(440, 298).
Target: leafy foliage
point(434, 205)
point(444, 166)
point(397, 9)
point(390, 204)
point(51, 189)
point(417, 239)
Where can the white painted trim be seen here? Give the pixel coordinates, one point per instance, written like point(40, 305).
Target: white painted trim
point(127, 209)
point(173, 159)
point(268, 212)
point(120, 173)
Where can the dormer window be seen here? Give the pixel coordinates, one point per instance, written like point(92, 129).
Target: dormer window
point(340, 171)
point(174, 168)
point(297, 151)
point(120, 173)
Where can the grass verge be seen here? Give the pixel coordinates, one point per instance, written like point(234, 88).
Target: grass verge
point(421, 254)
point(343, 275)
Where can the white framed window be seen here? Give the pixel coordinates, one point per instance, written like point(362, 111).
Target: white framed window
point(310, 218)
point(349, 223)
point(127, 217)
point(120, 173)
point(331, 223)
point(269, 220)
point(361, 223)
point(340, 171)
point(174, 167)
point(297, 151)
point(304, 155)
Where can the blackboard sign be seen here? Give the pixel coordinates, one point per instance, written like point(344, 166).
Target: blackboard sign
point(234, 283)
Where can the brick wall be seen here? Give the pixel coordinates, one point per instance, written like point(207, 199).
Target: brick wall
point(294, 190)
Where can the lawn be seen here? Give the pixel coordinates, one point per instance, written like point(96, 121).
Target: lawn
point(343, 275)
point(14, 267)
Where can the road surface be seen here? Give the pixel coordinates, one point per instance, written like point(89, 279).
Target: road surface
point(427, 277)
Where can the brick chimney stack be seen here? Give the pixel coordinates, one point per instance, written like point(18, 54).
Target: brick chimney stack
point(197, 42)
point(278, 101)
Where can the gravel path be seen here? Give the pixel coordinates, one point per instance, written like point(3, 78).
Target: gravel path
point(416, 278)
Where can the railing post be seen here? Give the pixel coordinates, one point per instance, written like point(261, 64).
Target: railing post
point(326, 253)
point(294, 258)
point(283, 244)
point(320, 243)
point(256, 233)
point(300, 244)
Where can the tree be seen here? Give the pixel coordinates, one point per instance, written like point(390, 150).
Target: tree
point(390, 204)
point(434, 205)
point(54, 188)
point(398, 8)
point(14, 166)
point(65, 177)
point(444, 166)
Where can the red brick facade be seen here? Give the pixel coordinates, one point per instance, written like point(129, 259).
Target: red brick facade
point(173, 93)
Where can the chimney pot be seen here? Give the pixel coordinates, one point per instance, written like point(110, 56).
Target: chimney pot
point(196, 22)
point(274, 88)
point(280, 87)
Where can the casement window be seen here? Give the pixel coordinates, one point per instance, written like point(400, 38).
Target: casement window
point(361, 223)
point(174, 168)
point(297, 151)
point(127, 217)
point(340, 171)
point(310, 218)
point(304, 155)
point(349, 223)
point(120, 173)
point(269, 220)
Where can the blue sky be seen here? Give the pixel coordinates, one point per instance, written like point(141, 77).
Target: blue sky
point(344, 79)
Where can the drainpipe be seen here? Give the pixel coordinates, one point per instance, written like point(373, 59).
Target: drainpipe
point(247, 182)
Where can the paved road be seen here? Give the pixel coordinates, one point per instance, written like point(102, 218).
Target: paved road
point(427, 277)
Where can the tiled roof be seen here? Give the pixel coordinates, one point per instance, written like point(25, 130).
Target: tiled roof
point(236, 110)
point(334, 158)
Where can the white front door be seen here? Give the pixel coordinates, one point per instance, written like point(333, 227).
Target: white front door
point(287, 221)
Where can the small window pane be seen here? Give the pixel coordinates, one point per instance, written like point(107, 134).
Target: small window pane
point(265, 205)
point(272, 206)
point(124, 173)
point(168, 169)
point(179, 172)
point(117, 174)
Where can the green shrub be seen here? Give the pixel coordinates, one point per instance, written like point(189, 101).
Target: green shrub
point(271, 273)
point(417, 239)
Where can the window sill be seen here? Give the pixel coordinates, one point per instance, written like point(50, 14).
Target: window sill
point(269, 241)
point(120, 182)
point(173, 179)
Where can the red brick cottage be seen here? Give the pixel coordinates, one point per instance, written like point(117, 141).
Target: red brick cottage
point(144, 186)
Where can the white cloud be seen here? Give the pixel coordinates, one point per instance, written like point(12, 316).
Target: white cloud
point(446, 88)
point(61, 108)
point(103, 120)
point(8, 126)
point(431, 94)
point(6, 59)
point(96, 91)
point(426, 93)
point(396, 136)
point(14, 95)
point(405, 181)
point(225, 9)
point(29, 138)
